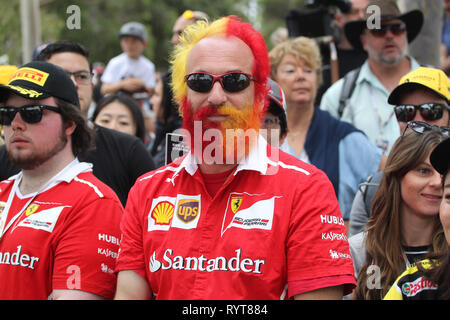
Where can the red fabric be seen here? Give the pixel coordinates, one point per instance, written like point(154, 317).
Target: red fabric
point(214, 181)
point(71, 241)
point(302, 286)
point(259, 233)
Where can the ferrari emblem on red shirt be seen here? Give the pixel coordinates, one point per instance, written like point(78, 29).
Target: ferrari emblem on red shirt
point(235, 203)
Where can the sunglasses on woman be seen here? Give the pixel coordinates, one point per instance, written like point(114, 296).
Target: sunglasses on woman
point(428, 111)
point(31, 113)
point(396, 29)
point(230, 81)
point(421, 127)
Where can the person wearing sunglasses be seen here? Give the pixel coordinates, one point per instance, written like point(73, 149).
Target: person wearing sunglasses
point(51, 231)
point(404, 224)
point(421, 95)
point(230, 223)
point(361, 96)
point(118, 159)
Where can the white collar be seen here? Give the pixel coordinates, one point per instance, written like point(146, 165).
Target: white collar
point(67, 174)
point(256, 160)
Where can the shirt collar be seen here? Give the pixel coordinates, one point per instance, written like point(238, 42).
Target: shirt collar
point(256, 160)
point(74, 168)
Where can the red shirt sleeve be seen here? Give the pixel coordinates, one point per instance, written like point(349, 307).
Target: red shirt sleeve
point(317, 245)
point(131, 256)
point(302, 286)
point(87, 250)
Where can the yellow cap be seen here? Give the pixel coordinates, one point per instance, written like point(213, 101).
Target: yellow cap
point(6, 73)
point(431, 78)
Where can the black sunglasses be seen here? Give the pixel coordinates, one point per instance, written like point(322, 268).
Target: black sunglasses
point(31, 113)
point(428, 111)
point(230, 81)
point(396, 29)
point(421, 127)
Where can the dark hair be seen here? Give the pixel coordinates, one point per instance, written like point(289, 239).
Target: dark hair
point(281, 115)
point(63, 46)
point(134, 108)
point(82, 137)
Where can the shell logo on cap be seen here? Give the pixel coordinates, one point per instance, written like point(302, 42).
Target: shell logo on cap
point(30, 74)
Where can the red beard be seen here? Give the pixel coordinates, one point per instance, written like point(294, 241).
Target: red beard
point(222, 142)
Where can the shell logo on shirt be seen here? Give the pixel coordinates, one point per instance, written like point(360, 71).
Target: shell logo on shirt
point(163, 213)
point(160, 215)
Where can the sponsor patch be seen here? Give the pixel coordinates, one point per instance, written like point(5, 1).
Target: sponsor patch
point(249, 211)
point(410, 289)
point(32, 208)
point(235, 203)
point(30, 93)
point(30, 74)
point(161, 213)
point(187, 212)
point(43, 220)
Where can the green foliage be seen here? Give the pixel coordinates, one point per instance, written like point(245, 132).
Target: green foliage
point(102, 19)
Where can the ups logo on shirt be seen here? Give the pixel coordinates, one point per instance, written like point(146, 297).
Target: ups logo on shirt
point(187, 210)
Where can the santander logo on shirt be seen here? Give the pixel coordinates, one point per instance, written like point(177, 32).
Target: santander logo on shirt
point(235, 263)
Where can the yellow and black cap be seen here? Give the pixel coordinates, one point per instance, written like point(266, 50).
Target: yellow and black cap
point(39, 80)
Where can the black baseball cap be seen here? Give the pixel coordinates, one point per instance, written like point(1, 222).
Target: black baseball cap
point(39, 80)
point(440, 157)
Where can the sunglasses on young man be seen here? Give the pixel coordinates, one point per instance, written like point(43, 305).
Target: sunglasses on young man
point(422, 127)
point(396, 29)
point(31, 113)
point(231, 81)
point(428, 111)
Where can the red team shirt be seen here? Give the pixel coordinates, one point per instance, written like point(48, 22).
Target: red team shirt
point(67, 236)
point(274, 222)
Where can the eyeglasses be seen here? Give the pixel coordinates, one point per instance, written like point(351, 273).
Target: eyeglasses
point(396, 29)
point(231, 81)
point(428, 111)
point(30, 113)
point(421, 127)
point(81, 77)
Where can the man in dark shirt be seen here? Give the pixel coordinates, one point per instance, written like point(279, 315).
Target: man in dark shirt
point(118, 159)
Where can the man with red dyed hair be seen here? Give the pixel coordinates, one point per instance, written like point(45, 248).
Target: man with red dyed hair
point(234, 218)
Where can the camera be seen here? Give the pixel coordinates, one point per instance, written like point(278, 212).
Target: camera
point(315, 21)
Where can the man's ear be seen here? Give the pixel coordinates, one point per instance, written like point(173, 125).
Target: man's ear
point(70, 127)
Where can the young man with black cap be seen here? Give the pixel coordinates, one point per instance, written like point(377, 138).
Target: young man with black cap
point(364, 102)
point(118, 158)
point(59, 225)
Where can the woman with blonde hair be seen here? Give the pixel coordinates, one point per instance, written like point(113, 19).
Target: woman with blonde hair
point(404, 225)
point(343, 152)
